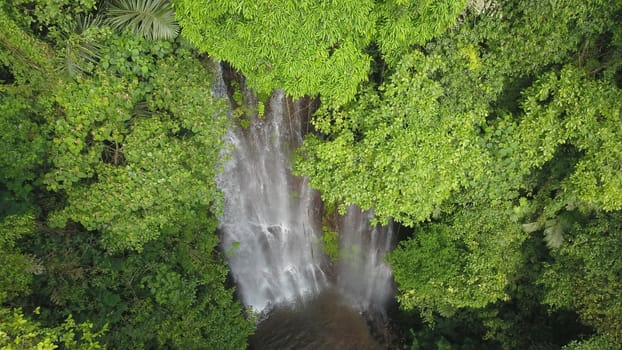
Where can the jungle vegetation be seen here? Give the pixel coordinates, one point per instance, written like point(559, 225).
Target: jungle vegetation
point(490, 130)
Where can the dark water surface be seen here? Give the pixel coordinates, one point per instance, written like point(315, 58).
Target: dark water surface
point(324, 323)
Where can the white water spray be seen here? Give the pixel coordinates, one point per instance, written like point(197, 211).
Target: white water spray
point(271, 224)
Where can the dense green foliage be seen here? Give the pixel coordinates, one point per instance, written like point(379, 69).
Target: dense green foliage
point(489, 129)
point(110, 146)
point(310, 47)
point(494, 141)
point(16, 274)
point(589, 251)
point(462, 263)
point(154, 171)
point(408, 135)
point(440, 123)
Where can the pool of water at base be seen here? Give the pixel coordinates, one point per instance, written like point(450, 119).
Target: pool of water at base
point(325, 323)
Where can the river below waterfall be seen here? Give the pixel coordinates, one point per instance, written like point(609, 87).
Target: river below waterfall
point(271, 236)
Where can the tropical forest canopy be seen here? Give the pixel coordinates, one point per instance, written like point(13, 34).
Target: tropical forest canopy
point(491, 131)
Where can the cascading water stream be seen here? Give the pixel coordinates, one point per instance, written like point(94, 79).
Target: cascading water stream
point(363, 277)
point(271, 225)
point(270, 221)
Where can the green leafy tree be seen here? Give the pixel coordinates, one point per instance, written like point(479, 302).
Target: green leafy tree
point(50, 18)
point(402, 153)
point(566, 108)
point(306, 47)
point(16, 273)
point(503, 119)
point(154, 172)
point(595, 343)
point(16, 268)
point(586, 275)
point(27, 58)
point(127, 145)
point(403, 24)
point(27, 66)
point(467, 262)
point(309, 47)
point(21, 151)
point(19, 332)
point(451, 120)
point(171, 294)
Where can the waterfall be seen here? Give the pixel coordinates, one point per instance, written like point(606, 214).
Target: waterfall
point(364, 278)
point(271, 225)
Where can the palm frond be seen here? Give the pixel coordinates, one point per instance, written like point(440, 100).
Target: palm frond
point(81, 51)
point(82, 23)
point(154, 19)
